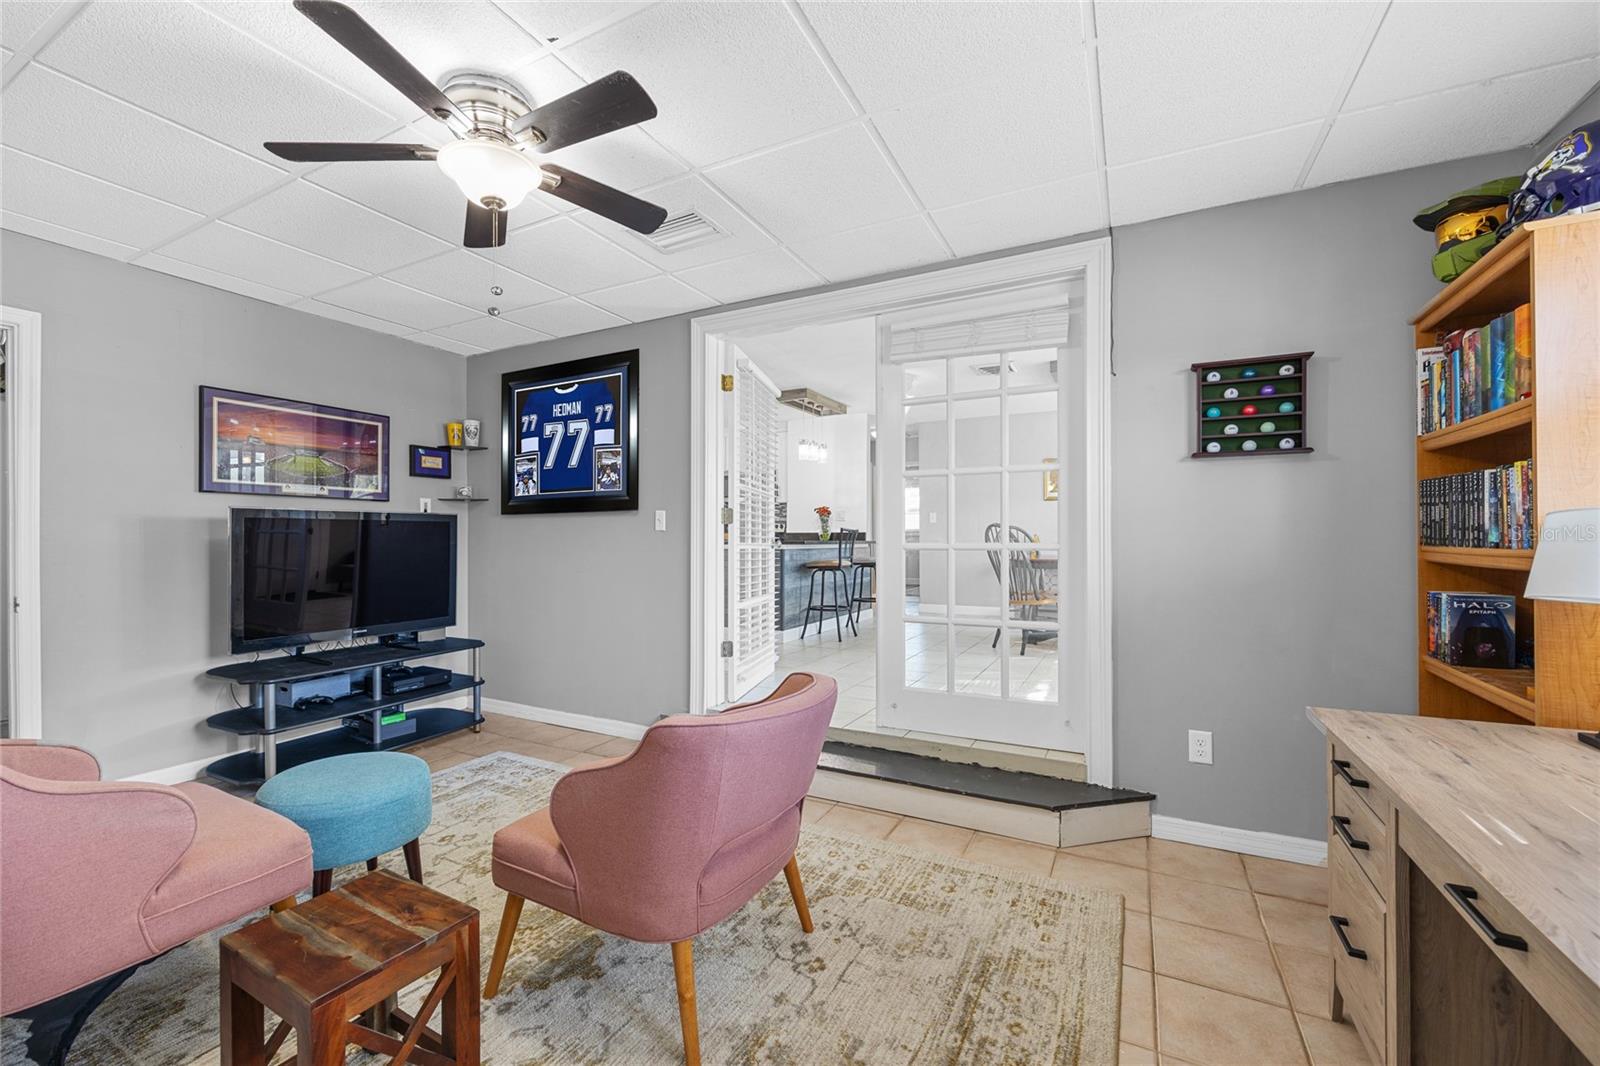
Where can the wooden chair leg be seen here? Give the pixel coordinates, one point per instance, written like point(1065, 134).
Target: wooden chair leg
point(791, 873)
point(283, 904)
point(372, 864)
point(688, 1017)
point(502, 944)
point(413, 852)
point(321, 881)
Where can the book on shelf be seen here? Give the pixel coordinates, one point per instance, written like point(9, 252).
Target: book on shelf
point(1491, 508)
point(1475, 629)
point(1471, 372)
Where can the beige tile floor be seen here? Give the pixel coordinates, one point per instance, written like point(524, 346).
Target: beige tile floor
point(1224, 955)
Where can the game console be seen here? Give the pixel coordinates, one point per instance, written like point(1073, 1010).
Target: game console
point(398, 680)
point(313, 690)
point(391, 726)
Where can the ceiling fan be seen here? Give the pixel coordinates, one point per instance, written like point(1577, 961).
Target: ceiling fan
point(495, 129)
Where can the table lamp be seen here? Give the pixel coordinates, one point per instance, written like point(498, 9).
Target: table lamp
point(1566, 565)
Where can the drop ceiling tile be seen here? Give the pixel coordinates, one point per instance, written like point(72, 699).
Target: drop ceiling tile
point(225, 282)
point(826, 184)
point(1047, 134)
point(1265, 165)
point(898, 245)
point(242, 254)
point(728, 78)
point(49, 231)
point(56, 118)
point(490, 334)
point(1490, 117)
point(569, 257)
point(560, 20)
point(1218, 71)
point(467, 277)
point(354, 318)
point(657, 297)
point(894, 55)
point(21, 19)
point(1526, 35)
point(185, 64)
point(393, 302)
point(566, 317)
point(308, 216)
point(625, 159)
point(1059, 209)
point(51, 193)
point(689, 193)
point(749, 276)
point(445, 344)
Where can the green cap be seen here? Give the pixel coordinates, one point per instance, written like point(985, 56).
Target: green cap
point(1489, 194)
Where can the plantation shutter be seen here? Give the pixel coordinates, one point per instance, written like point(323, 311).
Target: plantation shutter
point(1035, 328)
point(752, 557)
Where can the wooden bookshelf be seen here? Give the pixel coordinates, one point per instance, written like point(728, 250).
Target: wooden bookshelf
point(1554, 266)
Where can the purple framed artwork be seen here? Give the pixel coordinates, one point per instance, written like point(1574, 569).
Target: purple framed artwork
point(270, 446)
point(429, 462)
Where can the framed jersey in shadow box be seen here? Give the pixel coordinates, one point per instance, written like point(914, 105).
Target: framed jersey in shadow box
point(569, 436)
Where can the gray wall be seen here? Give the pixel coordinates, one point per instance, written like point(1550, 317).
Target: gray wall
point(590, 612)
point(134, 565)
point(1245, 589)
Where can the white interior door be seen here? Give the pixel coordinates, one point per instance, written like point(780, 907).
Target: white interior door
point(980, 450)
point(750, 499)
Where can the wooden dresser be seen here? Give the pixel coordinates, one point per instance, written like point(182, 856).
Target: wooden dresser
point(1464, 889)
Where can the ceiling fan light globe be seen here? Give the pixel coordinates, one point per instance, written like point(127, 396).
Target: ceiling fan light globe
point(489, 174)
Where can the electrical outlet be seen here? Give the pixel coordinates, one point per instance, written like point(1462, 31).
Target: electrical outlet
point(1200, 746)
point(426, 504)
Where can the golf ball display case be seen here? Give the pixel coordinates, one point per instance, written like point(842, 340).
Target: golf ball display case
point(1251, 406)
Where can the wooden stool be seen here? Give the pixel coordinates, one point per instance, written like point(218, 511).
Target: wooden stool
point(302, 964)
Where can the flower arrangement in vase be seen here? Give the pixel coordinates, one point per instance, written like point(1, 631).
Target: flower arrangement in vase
point(823, 514)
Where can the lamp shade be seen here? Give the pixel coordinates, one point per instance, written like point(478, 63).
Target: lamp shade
point(490, 174)
point(1566, 562)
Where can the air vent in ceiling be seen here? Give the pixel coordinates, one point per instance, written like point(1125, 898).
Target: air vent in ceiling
point(811, 402)
point(680, 232)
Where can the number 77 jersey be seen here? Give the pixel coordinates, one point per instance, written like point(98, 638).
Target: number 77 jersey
point(563, 425)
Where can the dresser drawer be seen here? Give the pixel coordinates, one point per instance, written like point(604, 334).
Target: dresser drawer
point(1356, 829)
point(1357, 916)
point(1347, 769)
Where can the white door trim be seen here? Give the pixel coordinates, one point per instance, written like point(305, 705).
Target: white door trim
point(22, 510)
point(706, 336)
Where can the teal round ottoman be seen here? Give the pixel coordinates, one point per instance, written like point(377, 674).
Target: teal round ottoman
point(355, 808)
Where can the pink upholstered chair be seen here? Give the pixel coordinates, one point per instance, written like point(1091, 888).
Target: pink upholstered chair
point(97, 877)
point(662, 844)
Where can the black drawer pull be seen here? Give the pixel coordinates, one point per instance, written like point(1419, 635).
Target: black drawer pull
point(1344, 941)
point(1343, 766)
point(1464, 895)
point(1341, 825)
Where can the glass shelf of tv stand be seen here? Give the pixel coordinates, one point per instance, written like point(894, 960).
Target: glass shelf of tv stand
point(246, 767)
point(270, 670)
point(246, 721)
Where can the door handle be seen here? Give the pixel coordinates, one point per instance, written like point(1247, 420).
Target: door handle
point(1465, 897)
point(1350, 949)
point(1341, 825)
point(1343, 768)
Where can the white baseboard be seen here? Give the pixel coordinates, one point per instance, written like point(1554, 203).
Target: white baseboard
point(1246, 841)
point(611, 727)
point(177, 775)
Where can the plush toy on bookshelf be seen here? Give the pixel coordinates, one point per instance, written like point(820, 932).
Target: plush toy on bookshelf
point(1471, 372)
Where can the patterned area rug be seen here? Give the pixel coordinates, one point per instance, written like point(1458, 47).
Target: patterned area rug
point(915, 959)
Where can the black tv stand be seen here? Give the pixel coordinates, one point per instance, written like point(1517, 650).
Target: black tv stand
point(264, 720)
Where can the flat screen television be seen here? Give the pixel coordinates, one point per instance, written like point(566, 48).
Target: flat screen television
point(305, 576)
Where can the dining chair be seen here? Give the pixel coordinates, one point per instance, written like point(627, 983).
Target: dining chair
point(662, 844)
point(1029, 598)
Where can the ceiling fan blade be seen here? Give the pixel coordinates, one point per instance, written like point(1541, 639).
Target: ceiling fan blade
point(602, 199)
point(486, 226)
point(614, 102)
point(341, 151)
point(367, 45)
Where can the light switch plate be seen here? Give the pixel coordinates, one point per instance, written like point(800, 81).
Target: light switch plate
point(661, 521)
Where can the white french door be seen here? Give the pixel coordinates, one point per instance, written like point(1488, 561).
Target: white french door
point(750, 497)
point(981, 458)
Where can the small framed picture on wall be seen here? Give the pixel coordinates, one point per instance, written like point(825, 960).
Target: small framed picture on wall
point(429, 462)
point(569, 436)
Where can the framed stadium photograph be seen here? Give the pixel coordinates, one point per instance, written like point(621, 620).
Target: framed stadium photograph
point(270, 446)
point(569, 436)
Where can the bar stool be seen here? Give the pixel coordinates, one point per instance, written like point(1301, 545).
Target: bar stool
point(840, 570)
point(866, 573)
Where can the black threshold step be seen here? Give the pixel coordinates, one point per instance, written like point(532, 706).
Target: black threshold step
point(970, 779)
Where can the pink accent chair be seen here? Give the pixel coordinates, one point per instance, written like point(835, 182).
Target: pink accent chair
point(98, 877)
point(663, 844)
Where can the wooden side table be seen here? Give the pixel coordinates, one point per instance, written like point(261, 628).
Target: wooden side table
point(349, 952)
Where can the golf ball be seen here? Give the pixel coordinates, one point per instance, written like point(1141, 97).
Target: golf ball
point(1269, 427)
point(1269, 390)
point(1230, 429)
point(1248, 446)
point(1248, 409)
point(1213, 446)
point(1285, 407)
point(1249, 372)
point(1286, 370)
point(1214, 375)
point(1230, 393)
point(1286, 442)
point(1213, 412)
